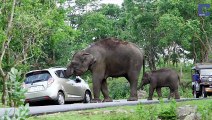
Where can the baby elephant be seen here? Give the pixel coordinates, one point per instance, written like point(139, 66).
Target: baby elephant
point(162, 78)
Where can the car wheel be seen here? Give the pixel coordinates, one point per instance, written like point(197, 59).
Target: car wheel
point(60, 98)
point(87, 97)
point(196, 94)
point(204, 93)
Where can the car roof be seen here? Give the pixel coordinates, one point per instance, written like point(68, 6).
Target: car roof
point(48, 69)
point(202, 66)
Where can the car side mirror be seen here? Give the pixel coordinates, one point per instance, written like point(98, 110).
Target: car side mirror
point(78, 80)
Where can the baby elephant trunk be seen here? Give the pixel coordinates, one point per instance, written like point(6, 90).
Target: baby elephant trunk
point(141, 86)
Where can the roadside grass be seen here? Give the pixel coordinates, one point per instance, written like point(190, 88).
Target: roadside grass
point(126, 112)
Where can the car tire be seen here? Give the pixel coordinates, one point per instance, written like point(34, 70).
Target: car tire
point(60, 99)
point(87, 97)
point(204, 93)
point(195, 94)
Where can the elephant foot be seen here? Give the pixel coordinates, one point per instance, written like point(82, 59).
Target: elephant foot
point(96, 100)
point(160, 98)
point(177, 98)
point(149, 98)
point(132, 99)
point(107, 100)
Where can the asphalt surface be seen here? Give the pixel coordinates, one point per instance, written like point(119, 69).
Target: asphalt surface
point(39, 110)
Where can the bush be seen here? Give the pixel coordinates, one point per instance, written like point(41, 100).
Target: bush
point(147, 112)
point(16, 92)
point(21, 113)
point(119, 89)
point(168, 112)
point(205, 110)
point(16, 95)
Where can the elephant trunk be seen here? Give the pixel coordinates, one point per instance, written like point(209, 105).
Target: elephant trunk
point(69, 72)
point(141, 86)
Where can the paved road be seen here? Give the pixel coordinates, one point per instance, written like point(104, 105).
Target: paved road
point(37, 110)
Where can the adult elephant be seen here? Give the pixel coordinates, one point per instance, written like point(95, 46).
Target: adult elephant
point(105, 58)
point(162, 78)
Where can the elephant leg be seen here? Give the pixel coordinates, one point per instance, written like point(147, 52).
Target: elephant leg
point(176, 93)
point(105, 92)
point(97, 80)
point(151, 91)
point(159, 92)
point(171, 94)
point(133, 80)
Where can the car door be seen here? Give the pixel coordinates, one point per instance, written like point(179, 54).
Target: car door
point(76, 88)
point(63, 83)
point(71, 87)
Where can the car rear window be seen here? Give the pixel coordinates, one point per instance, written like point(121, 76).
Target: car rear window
point(37, 76)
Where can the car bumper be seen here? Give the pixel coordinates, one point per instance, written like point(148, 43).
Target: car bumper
point(43, 98)
point(209, 89)
point(47, 94)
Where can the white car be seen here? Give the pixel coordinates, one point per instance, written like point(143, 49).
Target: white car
point(50, 84)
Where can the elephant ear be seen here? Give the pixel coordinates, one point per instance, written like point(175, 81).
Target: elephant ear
point(89, 58)
point(147, 76)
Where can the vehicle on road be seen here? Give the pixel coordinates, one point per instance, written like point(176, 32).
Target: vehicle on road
point(202, 80)
point(51, 84)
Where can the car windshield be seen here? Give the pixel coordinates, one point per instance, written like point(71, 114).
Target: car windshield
point(206, 72)
point(37, 76)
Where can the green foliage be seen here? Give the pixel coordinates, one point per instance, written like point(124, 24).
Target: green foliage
point(149, 113)
point(130, 112)
point(22, 113)
point(168, 112)
point(121, 117)
point(119, 89)
point(205, 110)
point(16, 92)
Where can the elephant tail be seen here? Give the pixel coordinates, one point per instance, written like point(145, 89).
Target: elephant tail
point(178, 78)
point(144, 57)
point(180, 82)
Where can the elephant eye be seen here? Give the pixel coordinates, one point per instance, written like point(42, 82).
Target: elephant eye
point(75, 64)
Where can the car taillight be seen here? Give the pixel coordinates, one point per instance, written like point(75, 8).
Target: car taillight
point(50, 81)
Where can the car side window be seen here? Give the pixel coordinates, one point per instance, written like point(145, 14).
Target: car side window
point(60, 73)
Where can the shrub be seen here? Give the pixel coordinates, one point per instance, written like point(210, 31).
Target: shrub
point(16, 95)
point(16, 92)
point(119, 89)
point(168, 112)
point(20, 114)
point(205, 109)
point(147, 112)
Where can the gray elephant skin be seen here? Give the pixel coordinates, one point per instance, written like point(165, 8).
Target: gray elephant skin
point(105, 58)
point(162, 78)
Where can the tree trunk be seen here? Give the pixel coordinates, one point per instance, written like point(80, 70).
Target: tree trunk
point(5, 90)
point(5, 46)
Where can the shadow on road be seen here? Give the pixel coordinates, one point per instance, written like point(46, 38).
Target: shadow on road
point(47, 103)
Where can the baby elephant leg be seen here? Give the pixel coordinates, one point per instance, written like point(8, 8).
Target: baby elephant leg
point(159, 92)
point(151, 91)
point(171, 95)
point(176, 93)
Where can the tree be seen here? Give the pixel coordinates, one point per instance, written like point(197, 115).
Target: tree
point(27, 29)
